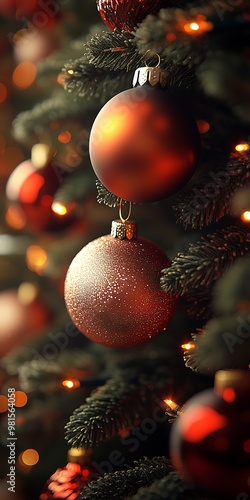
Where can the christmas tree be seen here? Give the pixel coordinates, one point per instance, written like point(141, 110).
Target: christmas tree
point(125, 357)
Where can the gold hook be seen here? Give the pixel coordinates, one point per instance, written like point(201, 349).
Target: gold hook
point(120, 211)
point(156, 55)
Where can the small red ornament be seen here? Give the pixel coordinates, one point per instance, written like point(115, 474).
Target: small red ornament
point(126, 14)
point(68, 482)
point(113, 292)
point(144, 143)
point(30, 191)
point(210, 442)
point(23, 316)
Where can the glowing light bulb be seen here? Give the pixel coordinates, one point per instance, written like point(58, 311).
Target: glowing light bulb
point(59, 208)
point(64, 137)
point(71, 384)
point(245, 216)
point(171, 404)
point(242, 147)
point(188, 346)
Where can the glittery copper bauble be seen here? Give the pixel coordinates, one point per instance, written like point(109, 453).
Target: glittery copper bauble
point(210, 442)
point(144, 144)
point(126, 14)
point(30, 192)
point(113, 292)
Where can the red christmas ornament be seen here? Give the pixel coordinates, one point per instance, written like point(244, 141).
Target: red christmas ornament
point(126, 14)
point(17, 8)
point(23, 316)
point(144, 143)
point(30, 191)
point(210, 442)
point(113, 292)
point(68, 482)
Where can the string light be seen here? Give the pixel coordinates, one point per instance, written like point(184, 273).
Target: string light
point(171, 404)
point(58, 208)
point(245, 216)
point(242, 147)
point(188, 346)
point(201, 25)
point(71, 384)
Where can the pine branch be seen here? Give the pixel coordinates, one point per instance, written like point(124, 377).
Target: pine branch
point(223, 344)
point(115, 51)
point(76, 187)
point(170, 487)
point(29, 123)
point(119, 484)
point(206, 260)
point(211, 198)
point(105, 197)
point(116, 405)
point(232, 292)
point(84, 80)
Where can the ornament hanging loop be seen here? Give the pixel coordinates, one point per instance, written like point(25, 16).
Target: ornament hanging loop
point(153, 54)
point(120, 211)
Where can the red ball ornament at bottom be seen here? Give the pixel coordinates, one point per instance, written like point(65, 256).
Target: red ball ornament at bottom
point(113, 292)
point(210, 441)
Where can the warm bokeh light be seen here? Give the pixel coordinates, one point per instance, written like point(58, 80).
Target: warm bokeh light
point(70, 71)
point(21, 399)
point(203, 126)
point(59, 208)
point(24, 74)
point(27, 292)
point(194, 26)
point(85, 473)
point(3, 403)
point(171, 404)
point(71, 384)
point(40, 155)
point(64, 137)
point(188, 346)
point(201, 25)
point(229, 394)
point(15, 218)
point(29, 457)
point(242, 147)
point(3, 93)
point(245, 216)
point(36, 258)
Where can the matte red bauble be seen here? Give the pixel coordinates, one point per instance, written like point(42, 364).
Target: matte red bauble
point(126, 14)
point(113, 292)
point(210, 442)
point(30, 190)
point(144, 144)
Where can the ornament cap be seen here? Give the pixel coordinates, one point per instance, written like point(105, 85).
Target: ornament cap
point(124, 229)
point(80, 456)
point(238, 380)
point(151, 75)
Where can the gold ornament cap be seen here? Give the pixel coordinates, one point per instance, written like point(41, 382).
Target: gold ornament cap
point(124, 229)
point(80, 456)
point(237, 380)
